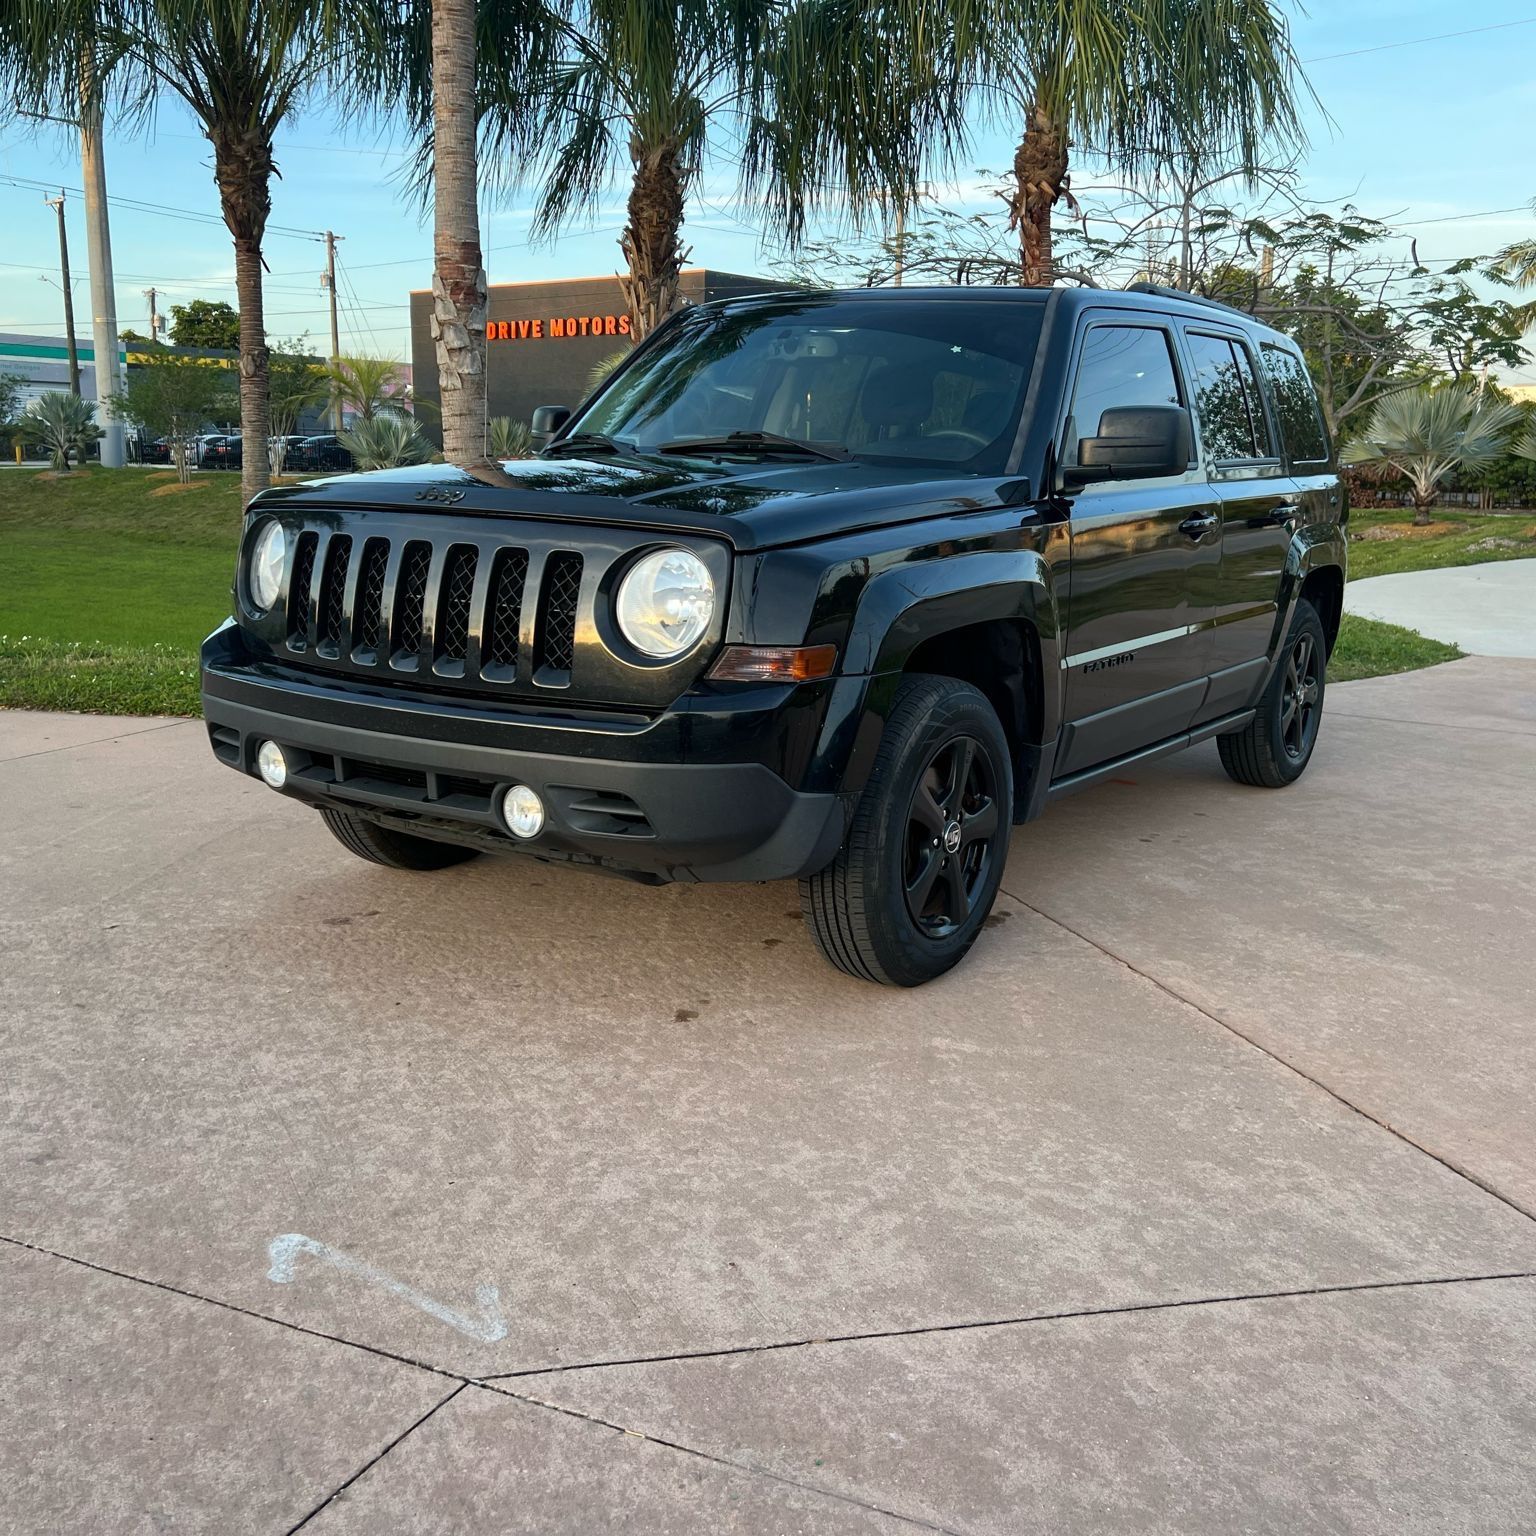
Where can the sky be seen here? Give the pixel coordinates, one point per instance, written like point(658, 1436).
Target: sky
point(1427, 120)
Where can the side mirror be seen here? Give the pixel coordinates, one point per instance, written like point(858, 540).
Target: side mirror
point(547, 420)
point(1135, 442)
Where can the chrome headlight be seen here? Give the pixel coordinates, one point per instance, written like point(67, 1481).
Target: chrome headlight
point(269, 564)
point(665, 603)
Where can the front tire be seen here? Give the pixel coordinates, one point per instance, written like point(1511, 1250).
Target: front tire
point(920, 867)
point(1274, 748)
point(394, 850)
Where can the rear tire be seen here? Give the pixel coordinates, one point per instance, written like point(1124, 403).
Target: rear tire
point(394, 850)
point(1274, 748)
point(920, 867)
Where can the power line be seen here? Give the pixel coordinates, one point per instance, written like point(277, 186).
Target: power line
point(190, 215)
point(1413, 42)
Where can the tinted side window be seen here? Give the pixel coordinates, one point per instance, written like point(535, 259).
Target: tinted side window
point(1301, 421)
point(1227, 401)
point(1120, 365)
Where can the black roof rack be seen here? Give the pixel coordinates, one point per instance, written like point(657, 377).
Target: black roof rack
point(1163, 291)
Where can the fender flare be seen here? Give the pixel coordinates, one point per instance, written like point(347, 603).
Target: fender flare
point(1312, 549)
point(901, 608)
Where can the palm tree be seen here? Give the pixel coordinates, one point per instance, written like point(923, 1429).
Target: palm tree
point(821, 97)
point(241, 67)
point(458, 268)
point(1146, 82)
point(62, 423)
point(1427, 433)
point(364, 385)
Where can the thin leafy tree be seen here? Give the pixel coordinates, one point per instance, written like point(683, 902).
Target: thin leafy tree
point(173, 396)
point(295, 383)
point(1425, 434)
point(242, 67)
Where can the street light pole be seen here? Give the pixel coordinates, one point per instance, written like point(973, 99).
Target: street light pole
point(57, 203)
point(103, 297)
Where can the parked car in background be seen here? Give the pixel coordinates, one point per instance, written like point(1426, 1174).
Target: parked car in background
point(322, 452)
point(222, 452)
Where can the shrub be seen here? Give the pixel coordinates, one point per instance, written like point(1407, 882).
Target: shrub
point(386, 442)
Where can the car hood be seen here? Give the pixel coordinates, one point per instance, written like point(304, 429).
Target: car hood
point(754, 506)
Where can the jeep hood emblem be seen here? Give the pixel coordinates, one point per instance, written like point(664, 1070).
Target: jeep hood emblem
point(444, 494)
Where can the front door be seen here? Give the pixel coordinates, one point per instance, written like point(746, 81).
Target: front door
point(1141, 550)
point(1259, 508)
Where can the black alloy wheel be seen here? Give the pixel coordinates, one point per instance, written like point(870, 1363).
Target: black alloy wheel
point(923, 858)
point(1274, 748)
point(951, 825)
point(1301, 695)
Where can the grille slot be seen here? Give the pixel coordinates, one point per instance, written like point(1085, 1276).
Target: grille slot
point(504, 614)
point(409, 604)
point(369, 620)
point(458, 587)
point(333, 589)
point(555, 650)
point(299, 592)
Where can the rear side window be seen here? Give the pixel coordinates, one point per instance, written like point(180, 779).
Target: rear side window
point(1120, 365)
point(1301, 420)
point(1227, 401)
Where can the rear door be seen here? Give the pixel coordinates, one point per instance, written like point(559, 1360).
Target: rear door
point(1240, 452)
point(1141, 549)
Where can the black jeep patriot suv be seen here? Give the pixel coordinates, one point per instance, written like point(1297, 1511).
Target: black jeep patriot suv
point(827, 586)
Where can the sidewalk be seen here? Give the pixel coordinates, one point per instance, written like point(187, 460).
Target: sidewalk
point(1488, 610)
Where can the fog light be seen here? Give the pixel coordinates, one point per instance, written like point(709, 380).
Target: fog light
point(523, 811)
point(271, 764)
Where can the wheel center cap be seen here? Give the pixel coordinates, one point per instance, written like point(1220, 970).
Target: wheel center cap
point(952, 837)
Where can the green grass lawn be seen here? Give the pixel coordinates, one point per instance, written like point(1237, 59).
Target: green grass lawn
point(108, 581)
point(1470, 539)
point(110, 578)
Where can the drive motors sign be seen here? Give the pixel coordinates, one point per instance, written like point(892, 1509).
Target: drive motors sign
point(557, 328)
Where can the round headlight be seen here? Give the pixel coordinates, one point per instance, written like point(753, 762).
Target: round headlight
point(666, 602)
point(269, 563)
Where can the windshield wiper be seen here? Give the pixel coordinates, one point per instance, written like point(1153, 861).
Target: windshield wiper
point(591, 442)
point(756, 442)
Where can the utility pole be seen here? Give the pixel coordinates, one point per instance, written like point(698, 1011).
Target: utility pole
point(329, 283)
point(57, 203)
point(103, 298)
point(901, 241)
point(155, 322)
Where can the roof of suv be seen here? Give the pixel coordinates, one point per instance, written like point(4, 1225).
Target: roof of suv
point(1147, 297)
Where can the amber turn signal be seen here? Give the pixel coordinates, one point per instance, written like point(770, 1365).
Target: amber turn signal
point(774, 663)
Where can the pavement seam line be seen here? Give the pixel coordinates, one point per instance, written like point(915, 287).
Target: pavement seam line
point(230, 1306)
point(1275, 1056)
point(747, 1468)
point(368, 1466)
point(1025, 1320)
point(1433, 725)
point(97, 741)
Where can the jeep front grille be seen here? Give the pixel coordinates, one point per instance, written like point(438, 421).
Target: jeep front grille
point(499, 607)
point(429, 625)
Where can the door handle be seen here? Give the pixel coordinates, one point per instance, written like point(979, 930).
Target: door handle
point(1286, 513)
point(1199, 524)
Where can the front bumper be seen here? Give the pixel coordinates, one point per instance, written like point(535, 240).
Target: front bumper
point(617, 789)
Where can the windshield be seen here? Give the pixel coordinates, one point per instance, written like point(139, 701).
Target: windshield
point(915, 381)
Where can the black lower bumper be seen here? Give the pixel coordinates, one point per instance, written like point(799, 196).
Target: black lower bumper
point(440, 772)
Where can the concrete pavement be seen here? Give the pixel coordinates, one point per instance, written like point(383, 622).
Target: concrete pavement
point(1488, 610)
point(508, 1198)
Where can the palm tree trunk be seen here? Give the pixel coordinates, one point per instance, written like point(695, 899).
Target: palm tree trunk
point(1040, 172)
point(651, 240)
point(458, 275)
point(242, 166)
